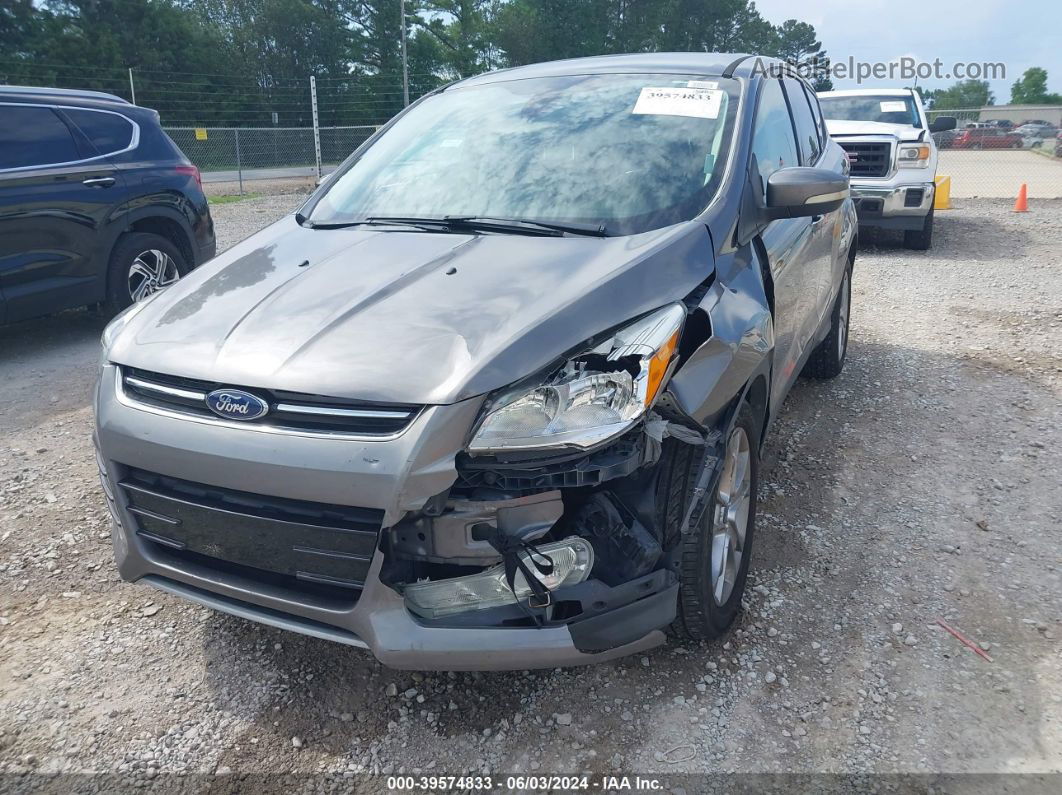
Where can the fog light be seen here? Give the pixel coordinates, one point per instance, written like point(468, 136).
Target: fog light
point(572, 560)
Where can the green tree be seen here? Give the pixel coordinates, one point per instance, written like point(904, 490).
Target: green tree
point(1031, 89)
point(461, 28)
point(796, 43)
point(964, 94)
point(529, 31)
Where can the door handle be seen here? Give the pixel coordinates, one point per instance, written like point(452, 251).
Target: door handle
point(98, 182)
point(817, 218)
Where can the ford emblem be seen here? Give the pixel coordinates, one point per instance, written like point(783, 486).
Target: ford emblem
point(235, 404)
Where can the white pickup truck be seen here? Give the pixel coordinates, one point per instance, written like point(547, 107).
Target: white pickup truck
point(892, 155)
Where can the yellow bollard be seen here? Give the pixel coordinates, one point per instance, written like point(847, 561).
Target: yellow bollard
point(942, 196)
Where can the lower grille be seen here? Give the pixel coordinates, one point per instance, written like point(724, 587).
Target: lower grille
point(868, 159)
point(314, 549)
point(293, 411)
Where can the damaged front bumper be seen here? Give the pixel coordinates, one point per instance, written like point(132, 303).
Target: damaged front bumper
point(348, 523)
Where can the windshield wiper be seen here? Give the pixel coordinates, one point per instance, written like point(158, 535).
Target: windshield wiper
point(525, 225)
point(469, 223)
point(459, 223)
point(427, 224)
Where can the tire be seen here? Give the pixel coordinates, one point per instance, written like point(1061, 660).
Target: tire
point(706, 607)
point(827, 360)
point(920, 239)
point(141, 263)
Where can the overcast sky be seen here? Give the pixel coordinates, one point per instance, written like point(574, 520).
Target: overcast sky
point(1020, 33)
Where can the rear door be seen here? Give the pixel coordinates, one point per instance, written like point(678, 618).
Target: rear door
point(818, 254)
point(786, 240)
point(57, 195)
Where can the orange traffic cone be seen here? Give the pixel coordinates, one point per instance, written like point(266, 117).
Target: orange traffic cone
point(1022, 204)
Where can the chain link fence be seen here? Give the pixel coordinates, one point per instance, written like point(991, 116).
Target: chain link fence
point(265, 130)
point(239, 154)
point(995, 150)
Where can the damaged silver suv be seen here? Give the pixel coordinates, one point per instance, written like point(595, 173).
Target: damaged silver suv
point(494, 397)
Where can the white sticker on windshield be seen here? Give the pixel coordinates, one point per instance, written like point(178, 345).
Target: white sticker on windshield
point(702, 84)
point(897, 106)
point(699, 103)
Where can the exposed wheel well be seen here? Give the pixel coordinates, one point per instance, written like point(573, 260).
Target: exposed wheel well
point(756, 397)
point(169, 229)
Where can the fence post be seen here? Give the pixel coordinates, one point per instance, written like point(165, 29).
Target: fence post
point(316, 125)
point(239, 163)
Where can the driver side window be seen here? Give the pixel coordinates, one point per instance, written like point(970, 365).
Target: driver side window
point(773, 141)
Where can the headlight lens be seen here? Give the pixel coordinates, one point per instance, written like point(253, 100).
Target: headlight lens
point(913, 156)
point(572, 559)
point(594, 397)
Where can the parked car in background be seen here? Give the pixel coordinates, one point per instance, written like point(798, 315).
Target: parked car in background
point(892, 154)
point(987, 138)
point(97, 204)
point(1038, 129)
point(944, 138)
point(494, 397)
point(1058, 145)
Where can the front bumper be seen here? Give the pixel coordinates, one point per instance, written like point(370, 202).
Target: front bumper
point(391, 477)
point(893, 206)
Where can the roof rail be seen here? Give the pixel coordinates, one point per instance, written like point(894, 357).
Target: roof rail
point(63, 92)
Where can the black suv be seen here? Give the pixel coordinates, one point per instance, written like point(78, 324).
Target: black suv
point(97, 204)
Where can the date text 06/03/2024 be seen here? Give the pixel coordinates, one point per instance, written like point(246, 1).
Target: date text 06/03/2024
point(523, 782)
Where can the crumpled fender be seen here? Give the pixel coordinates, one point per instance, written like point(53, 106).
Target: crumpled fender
point(739, 348)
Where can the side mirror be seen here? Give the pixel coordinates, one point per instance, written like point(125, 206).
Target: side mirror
point(801, 191)
point(942, 123)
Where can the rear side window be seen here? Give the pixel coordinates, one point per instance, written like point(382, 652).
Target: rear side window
point(108, 132)
point(34, 136)
point(806, 130)
point(816, 113)
point(772, 137)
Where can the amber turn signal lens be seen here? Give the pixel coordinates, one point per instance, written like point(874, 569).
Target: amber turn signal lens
point(658, 365)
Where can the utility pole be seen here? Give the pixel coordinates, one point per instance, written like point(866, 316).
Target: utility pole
point(316, 125)
point(405, 62)
point(132, 90)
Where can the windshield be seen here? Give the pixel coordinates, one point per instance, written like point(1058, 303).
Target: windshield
point(883, 108)
point(629, 152)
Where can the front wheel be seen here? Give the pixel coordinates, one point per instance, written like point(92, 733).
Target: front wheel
point(715, 554)
point(920, 239)
point(142, 263)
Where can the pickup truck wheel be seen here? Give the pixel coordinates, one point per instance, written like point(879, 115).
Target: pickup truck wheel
point(142, 263)
point(827, 361)
point(920, 239)
point(714, 555)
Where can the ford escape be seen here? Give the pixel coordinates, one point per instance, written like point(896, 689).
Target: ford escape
point(494, 397)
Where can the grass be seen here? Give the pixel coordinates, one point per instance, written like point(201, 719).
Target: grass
point(232, 198)
point(1048, 150)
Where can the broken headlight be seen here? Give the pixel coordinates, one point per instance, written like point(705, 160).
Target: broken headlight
point(596, 396)
point(572, 560)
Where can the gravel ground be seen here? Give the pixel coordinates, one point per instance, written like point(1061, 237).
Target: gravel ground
point(922, 484)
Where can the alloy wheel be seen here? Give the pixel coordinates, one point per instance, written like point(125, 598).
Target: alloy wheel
point(151, 271)
point(730, 516)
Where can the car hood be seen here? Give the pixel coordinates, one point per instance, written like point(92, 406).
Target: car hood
point(903, 132)
point(403, 316)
